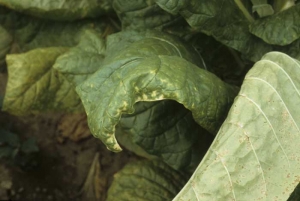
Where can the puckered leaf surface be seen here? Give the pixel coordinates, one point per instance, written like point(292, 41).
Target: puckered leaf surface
point(33, 85)
point(143, 14)
point(165, 129)
point(144, 181)
point(255, 155)
point(60, 10)
point(155, 68)
point(279, 29)
point(223, 20)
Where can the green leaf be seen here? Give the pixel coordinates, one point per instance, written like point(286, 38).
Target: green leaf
point(5, 42)
point(223, 20)
point(58, 10)
point(156, 68)
point(141, 15)
point(33, 85)
point(144, 181)
point(279, 29)
point(167, 129)
point(262, 8)
point(255, 155)
point(83, 60)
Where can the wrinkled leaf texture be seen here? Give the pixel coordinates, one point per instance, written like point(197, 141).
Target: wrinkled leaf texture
point(255, 155)
point(144, 181)
point(145, 72)
point(279, 29)
point(223, 20)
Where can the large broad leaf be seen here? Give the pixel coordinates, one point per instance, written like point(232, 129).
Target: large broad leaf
point(5, 42)
point(279, 29)
point(33, 85)
point(255, 155)
point(144, 181)
point(223, 20)
point(146, 71)
point(60, 10)
point(151, 123)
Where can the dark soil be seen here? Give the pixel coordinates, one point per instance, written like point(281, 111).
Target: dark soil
point(59, 170)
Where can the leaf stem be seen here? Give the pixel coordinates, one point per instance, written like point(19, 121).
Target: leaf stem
point(244, 10)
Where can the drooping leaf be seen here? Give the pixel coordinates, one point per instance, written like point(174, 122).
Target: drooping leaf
point(182, 152)
point(279, 29)
point(223, 20)
point(144, 181)
point(33, 85)
point(60, 10)
point(152, 69)
point(255, 155)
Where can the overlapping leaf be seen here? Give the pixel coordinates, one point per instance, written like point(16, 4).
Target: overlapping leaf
point(146, 71)
point(60, 10)
point(223, 20)
point(141, 15)
point(279, 29)
point(255, 155)
point(144, 181)
point(33, 84)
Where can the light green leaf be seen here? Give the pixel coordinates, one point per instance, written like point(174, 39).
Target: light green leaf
point(144, 181)
point(262, 8)
point(255, 155)
point(223, 20)
point(33, 85)
point(5, 42)
point(146, 71)
point(279, 29)
point(60, 10)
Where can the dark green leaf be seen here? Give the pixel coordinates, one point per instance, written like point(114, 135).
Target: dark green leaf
point(146, 71)
point(223, 20)
point(279, 29)
point(145, 181)
point(83, 60)
point(142, 14)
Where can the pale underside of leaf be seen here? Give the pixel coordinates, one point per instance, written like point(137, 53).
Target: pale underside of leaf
point(255, 155)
